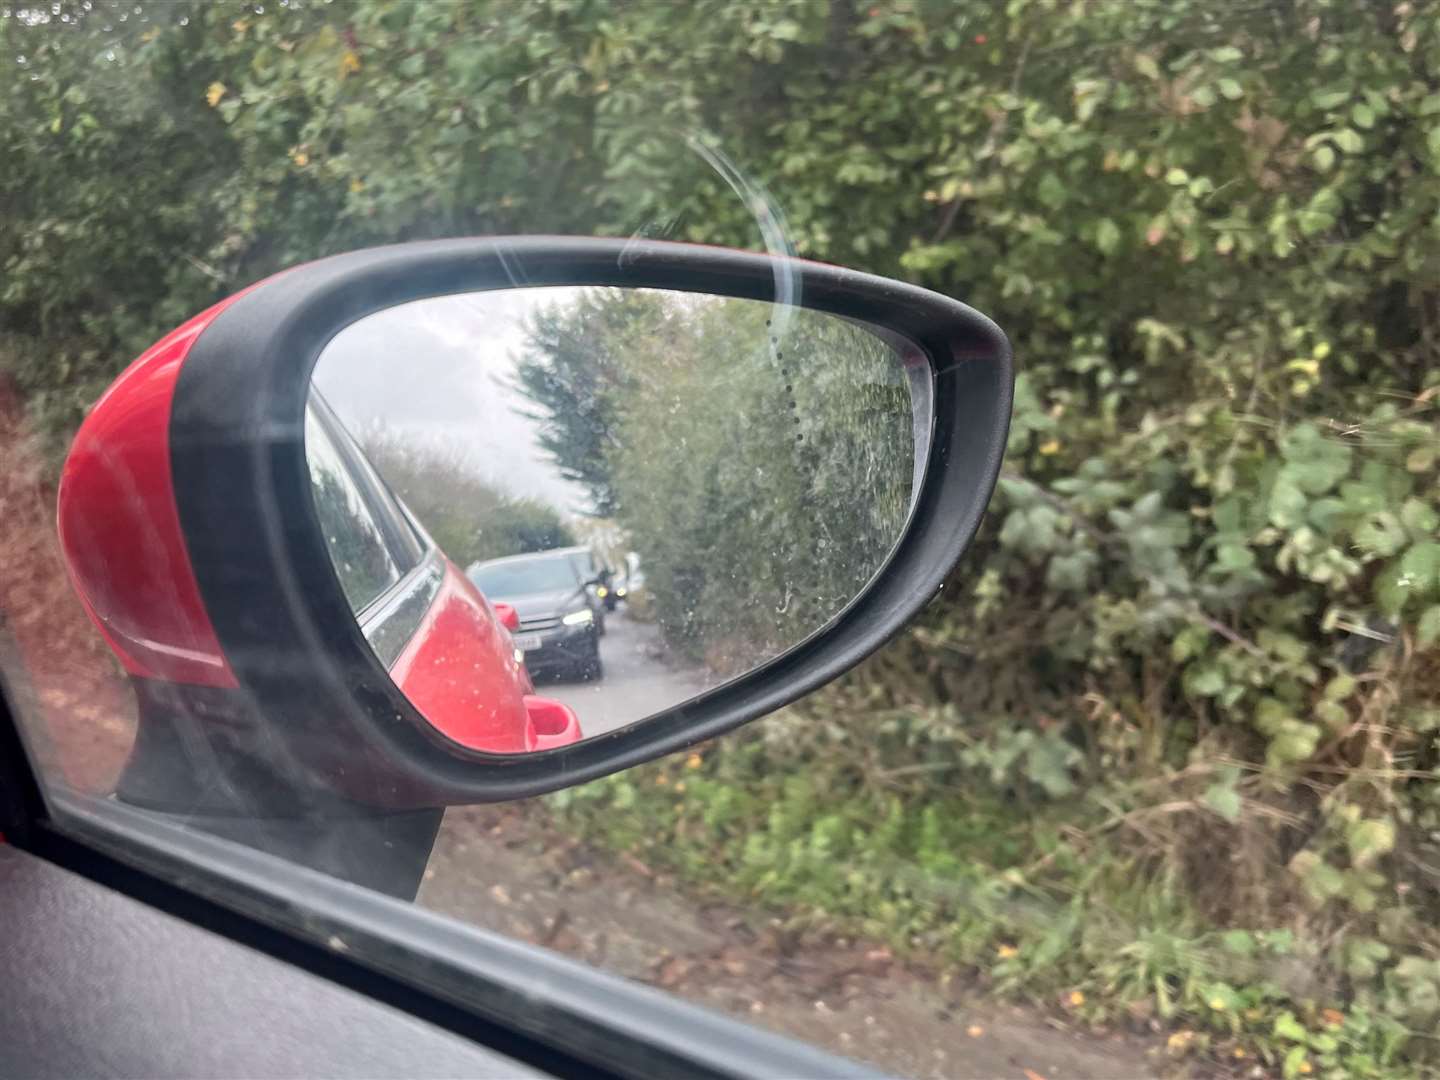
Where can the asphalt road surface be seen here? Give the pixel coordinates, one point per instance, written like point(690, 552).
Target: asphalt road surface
point(637, 682)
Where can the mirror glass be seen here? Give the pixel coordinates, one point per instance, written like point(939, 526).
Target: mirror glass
point(557, 511)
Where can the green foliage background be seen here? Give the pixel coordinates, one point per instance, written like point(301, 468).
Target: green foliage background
point(1187, 683)
point(471, 520)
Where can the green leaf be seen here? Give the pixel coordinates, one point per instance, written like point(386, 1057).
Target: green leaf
point(1421, 566)
point(1392, 590)
point(1380, 534)
point(1071, 572)
point(1329, 99)
point(1222, 997)
point(1145, 65)
point(1231, 89)
point(1312, 461)
point(1368, 840)
point(1363, 957)
point(1420, 518)
point(1333, 715)
point(1349, 140)
point(1340, 687)
point(1321, 880)
point(1238, 942)
point(1290, 1029)
point(1287, 503)
point(1234, 558)
point(1422, 458)
point(1204, 680)
point(1293, 741)
point(1051, 191)
point(1324, 157)
point(1224, 800)
point(785, 30)
point(1427, 630)
point(1107, 236)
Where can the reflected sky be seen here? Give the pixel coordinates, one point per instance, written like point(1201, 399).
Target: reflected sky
point(438, 372)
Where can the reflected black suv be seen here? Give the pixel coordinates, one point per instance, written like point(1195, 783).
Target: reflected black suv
point(558, 631)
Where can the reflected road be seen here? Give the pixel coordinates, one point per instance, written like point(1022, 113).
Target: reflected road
point(637, 682)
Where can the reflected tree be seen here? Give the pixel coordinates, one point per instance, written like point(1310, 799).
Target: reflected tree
point(760, 465)
point(468, 517)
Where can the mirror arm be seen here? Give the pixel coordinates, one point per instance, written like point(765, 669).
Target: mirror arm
point(232, 787)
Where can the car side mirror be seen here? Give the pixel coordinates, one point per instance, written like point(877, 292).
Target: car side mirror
point(508, 616)
point(799, 453)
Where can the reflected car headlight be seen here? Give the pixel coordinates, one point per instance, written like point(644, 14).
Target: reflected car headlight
point(579, 618)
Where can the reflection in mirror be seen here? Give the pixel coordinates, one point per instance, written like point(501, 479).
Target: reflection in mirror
point(649, 493)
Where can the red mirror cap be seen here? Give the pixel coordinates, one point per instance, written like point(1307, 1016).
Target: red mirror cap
point(550, 724)
point(120, 530)
point(508, 616)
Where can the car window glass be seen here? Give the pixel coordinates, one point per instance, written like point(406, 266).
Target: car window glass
point(358, 548)
point(1157, 766)
point(525, 576)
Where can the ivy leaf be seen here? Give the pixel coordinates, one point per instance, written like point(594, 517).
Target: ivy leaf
point(1314, 462)
point(1421, 565)
point(1380, 534)
point(1420, 518)
point(1287, 502)
point(1392, 590)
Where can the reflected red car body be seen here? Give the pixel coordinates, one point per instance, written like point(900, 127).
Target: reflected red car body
point(462, 672)
point(122, 539)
